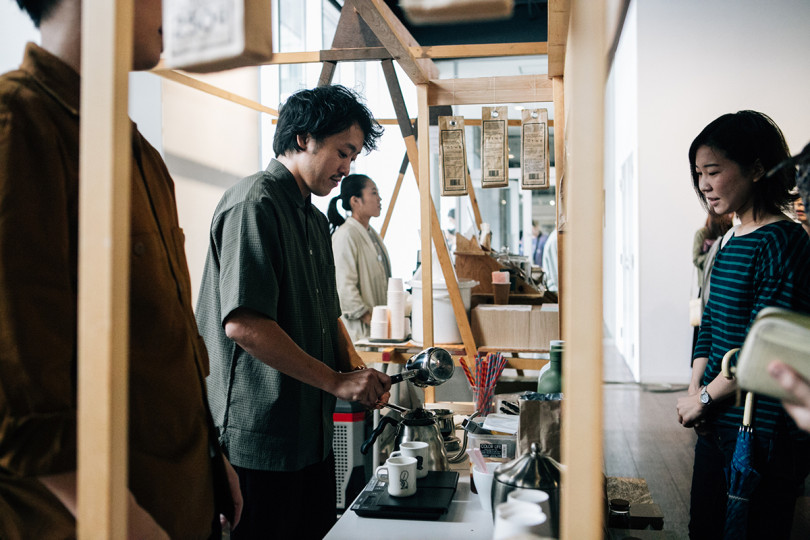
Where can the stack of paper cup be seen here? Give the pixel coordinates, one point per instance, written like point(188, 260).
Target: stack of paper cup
point(396, 308)
point(379, 323)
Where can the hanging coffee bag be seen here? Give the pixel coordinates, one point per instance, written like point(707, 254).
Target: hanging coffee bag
point(494, 147)
point(534, 149)
point(452, 156)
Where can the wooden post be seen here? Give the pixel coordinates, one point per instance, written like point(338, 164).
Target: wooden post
point(402, 170)
point(582, 494)
point(474, 201)
point(425, 204)
point(104, 223)
point(559, 169)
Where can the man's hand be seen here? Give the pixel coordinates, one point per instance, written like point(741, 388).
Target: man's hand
point(366, 386)
point(236, 494)
point(799, 389)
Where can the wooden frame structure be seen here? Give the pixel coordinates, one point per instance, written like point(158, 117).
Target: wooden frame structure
point(576, 26)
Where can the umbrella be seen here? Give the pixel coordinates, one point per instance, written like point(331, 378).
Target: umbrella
point(741, 477)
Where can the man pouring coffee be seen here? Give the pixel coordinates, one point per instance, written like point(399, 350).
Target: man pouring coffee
point(270, 316)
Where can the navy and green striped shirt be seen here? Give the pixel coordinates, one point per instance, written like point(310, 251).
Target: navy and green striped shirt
point(767, 267)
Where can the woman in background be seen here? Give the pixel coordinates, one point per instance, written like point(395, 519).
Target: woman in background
point(716, 226)
point(763, 264)
point(362, 266)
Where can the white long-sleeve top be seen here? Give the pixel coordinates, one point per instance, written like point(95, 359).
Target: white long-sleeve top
point(362, 269)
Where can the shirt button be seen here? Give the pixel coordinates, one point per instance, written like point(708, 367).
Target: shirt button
point(310, 252)
point(138, 248)
point(323, 330)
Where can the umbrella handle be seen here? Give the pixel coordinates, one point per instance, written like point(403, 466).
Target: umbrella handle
point(725, 365)
point(726, 370)
point(749, 409)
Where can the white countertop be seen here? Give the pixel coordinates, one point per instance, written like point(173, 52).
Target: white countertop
point(465, 519)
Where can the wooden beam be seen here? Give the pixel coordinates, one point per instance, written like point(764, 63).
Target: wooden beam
point(327, 72)
point(425, 203)
point(559, 170)
point(394, 37)
point(435, 231)
point(582, 481)
point(303, 57)
point(559, 13)
point(388, 213)
point(355, 55)
point(474, 201)
point(483, 90)
point(480, 50)
point(192, 82)
point(103, 302)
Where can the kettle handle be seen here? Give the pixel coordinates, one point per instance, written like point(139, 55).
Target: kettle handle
point(385, 420)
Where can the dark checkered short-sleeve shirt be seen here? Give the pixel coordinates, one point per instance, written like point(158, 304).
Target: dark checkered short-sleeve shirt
point(269, 251)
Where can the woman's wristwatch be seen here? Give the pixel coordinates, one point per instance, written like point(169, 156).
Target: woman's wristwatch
point(705, 398)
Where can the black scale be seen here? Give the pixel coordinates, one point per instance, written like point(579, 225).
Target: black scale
point(431, 500)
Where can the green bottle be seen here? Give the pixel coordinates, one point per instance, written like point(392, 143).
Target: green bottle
point(550, 380)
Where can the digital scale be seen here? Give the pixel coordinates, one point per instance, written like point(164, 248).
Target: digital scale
point(432, 499)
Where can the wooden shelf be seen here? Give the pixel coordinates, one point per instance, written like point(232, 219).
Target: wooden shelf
point(398, 353)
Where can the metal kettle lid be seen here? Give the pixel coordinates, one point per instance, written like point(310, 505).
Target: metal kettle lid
point(419, 417)
point(532, 470)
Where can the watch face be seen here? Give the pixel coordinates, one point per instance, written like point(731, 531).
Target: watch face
point(704, 397)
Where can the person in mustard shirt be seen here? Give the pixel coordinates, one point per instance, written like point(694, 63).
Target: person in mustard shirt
point(179, 482)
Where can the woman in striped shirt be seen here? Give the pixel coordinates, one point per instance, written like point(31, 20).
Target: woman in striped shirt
point(764, 264)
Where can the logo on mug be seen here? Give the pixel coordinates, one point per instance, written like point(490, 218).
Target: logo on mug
point(419, 460)
point(403, 480)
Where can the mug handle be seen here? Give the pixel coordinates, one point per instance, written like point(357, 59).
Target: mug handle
point(395, 453)
point(381, 473)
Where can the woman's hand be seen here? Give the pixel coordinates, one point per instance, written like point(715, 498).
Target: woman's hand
point(690, 410)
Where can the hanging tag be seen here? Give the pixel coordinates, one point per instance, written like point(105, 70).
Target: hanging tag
point(494, 147)
point(534, 149)
point(452, 155)
point(216, 34)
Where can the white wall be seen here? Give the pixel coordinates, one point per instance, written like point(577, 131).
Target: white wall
point(620, 248)
point(696, 61)
point(15, 30)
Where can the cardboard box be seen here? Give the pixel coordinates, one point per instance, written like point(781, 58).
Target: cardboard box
point(514, 326)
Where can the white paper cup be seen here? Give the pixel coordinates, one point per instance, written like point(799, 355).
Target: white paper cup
point(483, 484)
point(379, 330)
point(418, 450)
point(400, 474)
point(379, 314)
point(516, 518)
point(395, 284)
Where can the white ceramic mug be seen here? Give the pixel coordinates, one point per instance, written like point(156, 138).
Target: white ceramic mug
point(536, 497)
point(516, 518)
point(418, 450)
point(400, 474)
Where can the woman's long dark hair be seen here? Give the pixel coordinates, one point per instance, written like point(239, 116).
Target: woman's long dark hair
point(351, 186)
point(750, 139)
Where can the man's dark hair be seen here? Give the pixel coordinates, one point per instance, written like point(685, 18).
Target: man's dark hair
point(37, 9)
point(751, 139)
point(321, 112)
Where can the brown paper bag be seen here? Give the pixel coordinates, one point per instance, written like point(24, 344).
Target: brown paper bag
point(540, 423)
